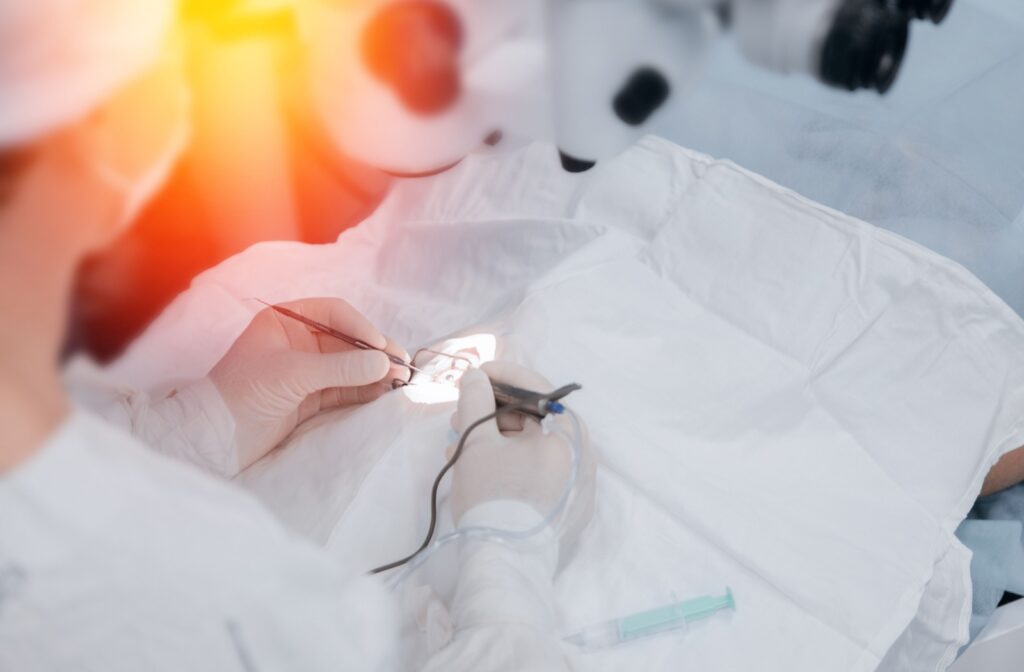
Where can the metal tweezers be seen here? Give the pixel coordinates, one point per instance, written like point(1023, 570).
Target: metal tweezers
point(341, 336)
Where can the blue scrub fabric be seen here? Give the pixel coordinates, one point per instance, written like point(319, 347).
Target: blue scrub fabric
point(994, 531)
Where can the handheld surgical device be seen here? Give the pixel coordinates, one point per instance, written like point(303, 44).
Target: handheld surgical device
point(509, 399)
point(535, 404)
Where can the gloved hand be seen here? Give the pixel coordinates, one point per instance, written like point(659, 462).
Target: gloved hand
point(512, 458)
point(280, 372)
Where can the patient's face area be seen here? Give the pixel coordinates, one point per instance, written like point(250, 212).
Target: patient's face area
point(443, 365)
point(447, 367)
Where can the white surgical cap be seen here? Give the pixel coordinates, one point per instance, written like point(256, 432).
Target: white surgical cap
point(59, 59)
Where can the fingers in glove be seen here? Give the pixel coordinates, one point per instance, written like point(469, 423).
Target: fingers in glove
point(314, 371)
point(519, 376)
point(476, 400)
point(350, 396)
point(507, 422)
point(511, 374)
point(309, 407)
point(402, 373)
point(340, 315)
point(328, 343)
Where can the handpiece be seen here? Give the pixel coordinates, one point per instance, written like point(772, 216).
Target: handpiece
point(534, 404)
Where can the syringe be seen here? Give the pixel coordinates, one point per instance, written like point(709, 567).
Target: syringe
point(674, 616)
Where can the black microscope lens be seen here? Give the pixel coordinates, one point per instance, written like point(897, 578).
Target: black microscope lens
point(891, 45)
point(645, 91)
point(934, 10)
point(865, 46)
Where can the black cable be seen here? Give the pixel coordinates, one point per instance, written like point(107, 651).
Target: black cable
point(437, 484)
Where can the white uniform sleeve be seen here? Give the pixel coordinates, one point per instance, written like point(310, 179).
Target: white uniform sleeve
point(503, 610)
point(117, 559)
point(190, 423)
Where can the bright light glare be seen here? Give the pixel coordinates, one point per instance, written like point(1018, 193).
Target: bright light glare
point(442, 372)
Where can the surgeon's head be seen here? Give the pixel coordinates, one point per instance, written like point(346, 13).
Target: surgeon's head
point(12, 163)
point(93, 118)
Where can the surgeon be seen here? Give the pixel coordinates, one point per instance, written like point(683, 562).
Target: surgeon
point(122, 546)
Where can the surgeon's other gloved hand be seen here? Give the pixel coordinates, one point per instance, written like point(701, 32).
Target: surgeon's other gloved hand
point(512, 460)
point(509, 476)
point(280, 372)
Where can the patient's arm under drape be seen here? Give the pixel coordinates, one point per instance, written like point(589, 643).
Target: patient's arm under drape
point(1008, 471)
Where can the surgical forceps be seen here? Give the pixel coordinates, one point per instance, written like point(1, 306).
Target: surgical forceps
point(343, 337)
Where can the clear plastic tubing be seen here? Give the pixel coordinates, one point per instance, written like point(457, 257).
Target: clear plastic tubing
point(517, 537)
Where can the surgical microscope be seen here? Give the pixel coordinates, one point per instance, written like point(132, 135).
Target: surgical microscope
point(448, 77)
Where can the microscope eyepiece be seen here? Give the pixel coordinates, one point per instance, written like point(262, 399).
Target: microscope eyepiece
point(572, 164)
point(935, 10)
point(864, 48)
point(644, 92)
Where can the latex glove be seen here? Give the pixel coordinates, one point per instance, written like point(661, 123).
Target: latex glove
point(512, 458)
point(280, 372)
